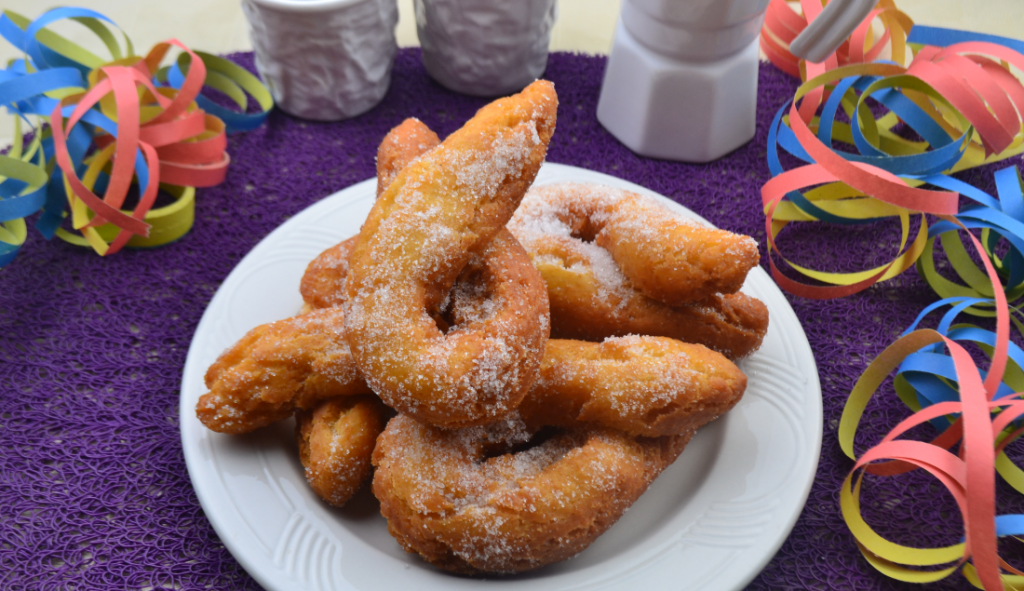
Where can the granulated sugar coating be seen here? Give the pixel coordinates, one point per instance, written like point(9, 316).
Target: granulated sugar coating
point(641, 385)
point(566, 215)
point(467, 504)
point(561, 226)
point(666, 256)
point(276, 368)
point(335, 442)
point(422, 233)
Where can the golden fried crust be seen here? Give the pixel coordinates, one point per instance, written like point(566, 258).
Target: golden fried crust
point(672, 259)
point(323, 283)
point(463, 511)
point(591, 300)
point(277, 367)
point(497, 312)
point(400, 146)
point(648, 386)
point(457, 197)
point(336, 440)
point(566, 228)
point(441, 211)
point(666, 256)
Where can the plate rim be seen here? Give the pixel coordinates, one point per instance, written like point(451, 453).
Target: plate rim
point(265, 576)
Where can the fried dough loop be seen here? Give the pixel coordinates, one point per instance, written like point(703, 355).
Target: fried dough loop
point(618, 263)
point(335, 441)
point(445, 211)
point(668, 257)
point(276, 368)
point(643, 386)
point(468, 513)
point(475, 500)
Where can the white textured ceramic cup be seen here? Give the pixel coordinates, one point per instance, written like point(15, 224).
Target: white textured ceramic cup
point(485, 47)
point(324, 60)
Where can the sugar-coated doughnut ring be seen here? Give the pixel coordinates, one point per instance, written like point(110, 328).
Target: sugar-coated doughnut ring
point(650, 386)
point(592, 299)
point(468, 502)
point(498, 306)
point(442, 211)
point(276, 368)
point(336, 440)
point(667, 257)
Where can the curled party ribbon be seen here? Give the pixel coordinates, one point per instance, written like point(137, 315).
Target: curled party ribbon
point(783, 23)
point(22, 193)
point(959, 95)
point(999, 219)
point(962, 101)
point(114, 124)
point(981, 411)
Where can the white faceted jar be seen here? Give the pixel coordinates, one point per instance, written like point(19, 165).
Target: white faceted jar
point(324, 60)
point(485, 47)
point(681, 82)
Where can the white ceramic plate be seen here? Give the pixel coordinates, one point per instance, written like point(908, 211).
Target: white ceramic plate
point(711, 521)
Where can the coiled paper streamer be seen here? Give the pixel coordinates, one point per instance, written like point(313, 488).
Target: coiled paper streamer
point(112, 124)
point(958, 93)
point(950, 391)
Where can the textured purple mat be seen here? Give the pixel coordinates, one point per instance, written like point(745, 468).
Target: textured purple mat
point(93, 488)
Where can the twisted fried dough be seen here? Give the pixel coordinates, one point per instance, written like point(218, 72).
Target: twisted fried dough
point(336, 441)
point(323, 283)
point(276, 368)
point(591, 298)
point(403, 144)
point(584, 307)
point(650, 386)
point(441, 211)
point(467, 502)
point(666, 256)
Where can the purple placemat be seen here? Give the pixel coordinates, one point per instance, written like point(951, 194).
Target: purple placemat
point(94, 493)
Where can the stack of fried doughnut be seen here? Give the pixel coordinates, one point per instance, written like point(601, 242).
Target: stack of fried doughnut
point(423, 348)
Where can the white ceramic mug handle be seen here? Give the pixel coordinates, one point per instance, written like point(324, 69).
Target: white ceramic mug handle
point(827, 32)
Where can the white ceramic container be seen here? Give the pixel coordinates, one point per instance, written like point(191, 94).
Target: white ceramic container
point(681, 82)
point(485, 47)
point(324, 60)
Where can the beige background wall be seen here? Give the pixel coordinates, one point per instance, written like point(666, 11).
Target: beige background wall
point(218, 26)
